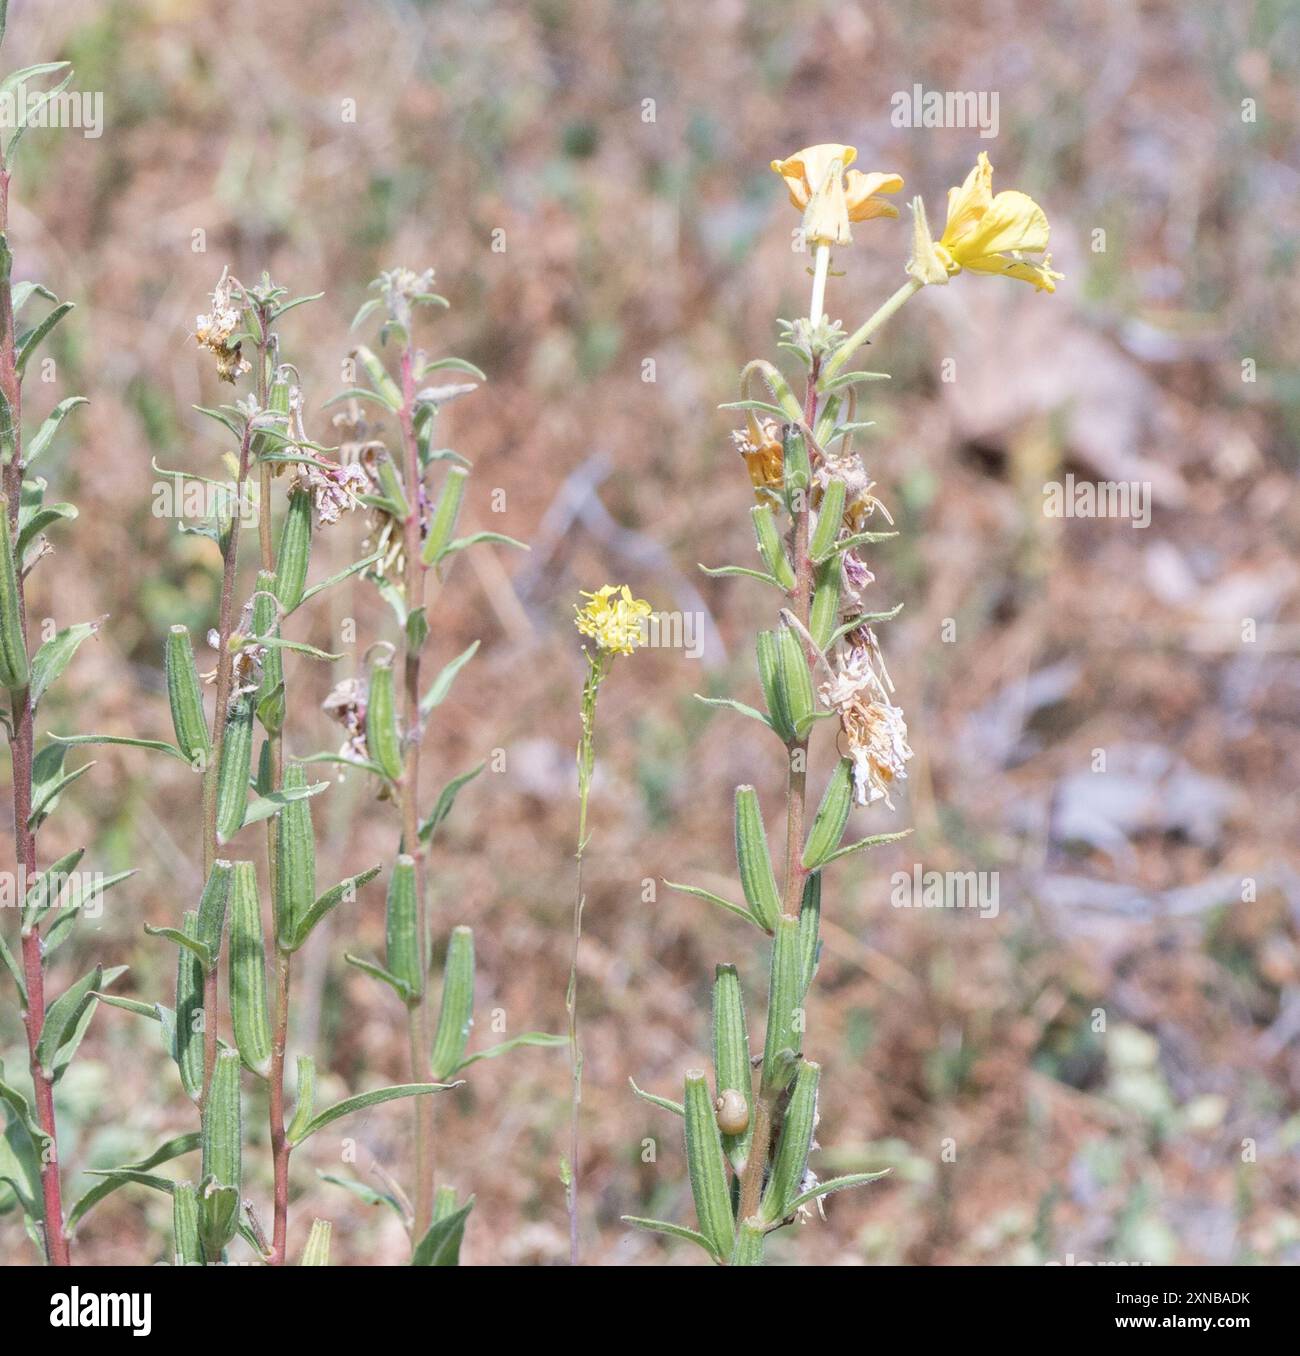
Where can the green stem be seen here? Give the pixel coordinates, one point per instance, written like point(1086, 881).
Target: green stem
point(869, 326)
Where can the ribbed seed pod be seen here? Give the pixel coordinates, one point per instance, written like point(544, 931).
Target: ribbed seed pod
point(794, 682)
point(248, 1006)
point(829, 517)
point(186, 1246)
point(221, 1145)
point(186, 698)
point(810, 917)
point(825, 614)
point(14, 668)
point(390, 485)
point(236, 763)
point(748, 1251)
point(772, 691)
point(798, 475)
point(733, 1075)
point(704, 1162)
point(403, 928)
point(381, 721)
point(213, 903)
point(442, 522)
point(456, 1012)
point(791, 1161)
point(757, 879)
point(295, 550)
point(784, 1000)
point(295, 882)
point(832, 815)
point(189, 1012)
point(270, 694)
point(316, 1252)
point(770, 547)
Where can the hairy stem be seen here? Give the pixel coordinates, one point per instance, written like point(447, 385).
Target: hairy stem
point(22, 748)
point(421, 1040)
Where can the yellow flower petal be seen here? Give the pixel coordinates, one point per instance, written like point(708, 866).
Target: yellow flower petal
point(1013, 221)
point(860, 194)
point(967, 204)
point(1041, 276)
point(830, 195)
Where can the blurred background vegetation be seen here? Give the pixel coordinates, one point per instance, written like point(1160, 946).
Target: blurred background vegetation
point(508, 146)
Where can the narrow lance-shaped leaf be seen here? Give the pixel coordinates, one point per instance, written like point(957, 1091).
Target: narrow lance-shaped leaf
point(14, 669)
point(440, 1246)
point(366, 1099)
point(442, 522)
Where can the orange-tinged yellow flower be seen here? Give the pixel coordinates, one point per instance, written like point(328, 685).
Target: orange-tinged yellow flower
point(985, 234)
point(613, 619)
point(830, 195)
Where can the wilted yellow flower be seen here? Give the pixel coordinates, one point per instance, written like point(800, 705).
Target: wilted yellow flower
point(830, 195)
point(613, 619)
point(985, 234)
point(761, 446)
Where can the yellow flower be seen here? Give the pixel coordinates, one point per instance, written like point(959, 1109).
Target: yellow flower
point(613, 619)
point(761, 446)
point(829, 197)
point(985, 234)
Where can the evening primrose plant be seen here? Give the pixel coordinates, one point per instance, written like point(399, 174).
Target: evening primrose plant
point(49, 901)
point(386, 713)
point(616, 623)
point(750, 1123)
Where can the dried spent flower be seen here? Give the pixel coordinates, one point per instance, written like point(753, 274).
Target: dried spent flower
point(215, 330)
point(346, 704)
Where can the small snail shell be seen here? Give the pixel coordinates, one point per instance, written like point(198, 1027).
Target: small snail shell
point(733, 1112)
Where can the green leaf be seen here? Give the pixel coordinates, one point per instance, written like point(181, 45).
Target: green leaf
point(446, 799)
point(739, 571)
point(10, 963)
point(38, 522)
point(355, 568)
point(716, 899)
point(345, 889)
point(367, 1099)
point(306, 1102)
point(476, 539)
point(156, 745)
point(274, 801)
point(845, 379)
point(543, 1039)
point(759, 407)
point(29, 342)
point(441, 685)
point(191, 944)
point(174, 1148)
point(56, 654)
point(663, 1103)
point(440, 1247)
point(367, 1194)
point(728, 704)
point(62, 1016)
point(399, 986)
point(875, 841)
point(662, 1226)
point(836, 1184)
point(46, 789)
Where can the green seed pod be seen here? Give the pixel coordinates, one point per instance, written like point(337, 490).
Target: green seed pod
point(236, 762)
point(784, 1002)
point(384, 385)
point(793, 680)
point(444, 1202)
point(770, 548)
point(270, 700)
point(248, 1008)
point(186, 698)
point(748, 1251)
point(14, 668)
point(829, 518)
point(825, 614)
point(382, 735)
point(402, 928)
point(773, 693)
point(306, 1100)
point(798, 475)
point(295, 880)
point(756, 876)
point(390, 485)
point(316, 1252)
point(212, 908)
point(791, 1161)
point(189, 1013)
point(456, 1013)
point(704, 1162)
point(221, 1146)
point(832, 816)
point(186, 1246)
point(733, 1076)
point(295, 550)
point(810, 917)
point(442, 522)
point(277, 401)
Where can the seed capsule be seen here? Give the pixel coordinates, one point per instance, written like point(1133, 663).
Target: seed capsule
point(826, 600)
point(14, 668)
point(772, 690)
point(186, 697)
point(733, 1112)
point(829, 517)
point(236, 761)
point(381, 722)
point(770, 548)
point(295, 551)
point(757, 879)
point(295, 883)
point(443, 522)
point(794, 680)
